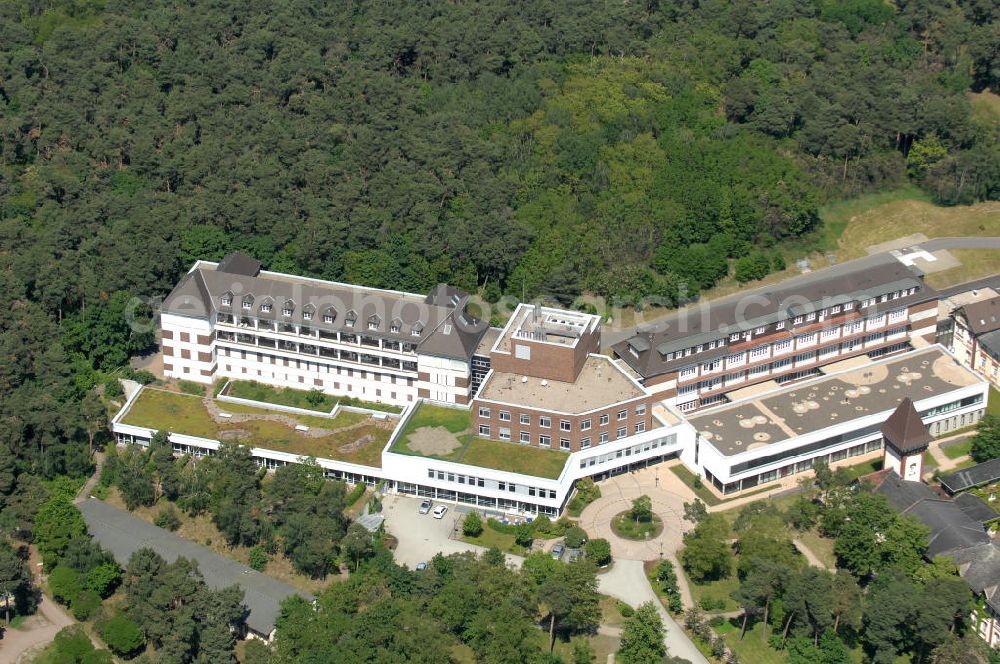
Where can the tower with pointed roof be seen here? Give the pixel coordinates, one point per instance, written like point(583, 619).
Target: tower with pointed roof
point(906, 439)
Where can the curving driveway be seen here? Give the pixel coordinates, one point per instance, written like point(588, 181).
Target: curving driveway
point(626, 580)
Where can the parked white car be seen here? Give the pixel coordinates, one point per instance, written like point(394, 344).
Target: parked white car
point(440, 511)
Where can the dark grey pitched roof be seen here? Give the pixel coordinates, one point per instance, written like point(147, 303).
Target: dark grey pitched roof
point(904, 431)
point(981, 473)
point(237, 263)
point(976, 508)
point(710, 321)
point(952, 529)
point(982, 316)
point(123, 534)
point(422, 320)
point(980, 567)
point(991, 342)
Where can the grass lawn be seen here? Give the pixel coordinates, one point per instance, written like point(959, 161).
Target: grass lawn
point(822, 547)
point(837, 215)
point(610, 612)
point(908, 211)
point(625, 526)
point(752, 648)
point(863, 468)
point(930, 463)
point(476, 451)
point(976, 264)
point(185, 414)
point(716, 591)
point(502, 541)
point(957, 449)
point(250, 389)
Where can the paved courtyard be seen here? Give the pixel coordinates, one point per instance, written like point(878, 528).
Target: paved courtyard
point(421, 536)
point(668, 494)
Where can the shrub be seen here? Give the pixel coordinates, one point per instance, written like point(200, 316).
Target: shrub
point(575, 537)
point(191, 387)
point(523, 535)
point(642, 509)
point(122, 635)
point(472, 526)
point(168, 518)
point(258, 558)
point(113, 388)
point(356, 493)
point(143, 377)
point(64, 583)
point(586, 493)
point(315, 397)
point(626, 610)
point(85, 604)
point(103, 579)
point(599, 552)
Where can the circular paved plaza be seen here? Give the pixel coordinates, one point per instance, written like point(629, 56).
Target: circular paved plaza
point(668, 494)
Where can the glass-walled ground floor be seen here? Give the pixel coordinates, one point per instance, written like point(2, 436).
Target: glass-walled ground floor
point(939, 427)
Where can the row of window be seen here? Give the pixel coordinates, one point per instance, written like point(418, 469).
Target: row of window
point(564, 443)
point(545, 421)
point(629, 451)
point(469, 480)
point(329, 316)
point(806, 318)
point(783, 346)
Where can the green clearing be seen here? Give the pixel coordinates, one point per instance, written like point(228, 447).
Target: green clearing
point(185, 414)
point(475, 451)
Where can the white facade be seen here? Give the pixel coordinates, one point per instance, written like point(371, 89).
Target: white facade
point(909, 466)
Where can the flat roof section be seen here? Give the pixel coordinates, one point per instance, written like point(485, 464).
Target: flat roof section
point(546, 324)
point(600, 383)
point(817, 404)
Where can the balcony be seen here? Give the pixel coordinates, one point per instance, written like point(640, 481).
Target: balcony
point(329, 336)
point(246, 339)
point(265, 325)
point(370, 341)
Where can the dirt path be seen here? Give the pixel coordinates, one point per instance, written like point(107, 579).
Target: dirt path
point(810, 557)
point(20, 645)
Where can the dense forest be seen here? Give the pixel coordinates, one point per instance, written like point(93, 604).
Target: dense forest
point(625, 149)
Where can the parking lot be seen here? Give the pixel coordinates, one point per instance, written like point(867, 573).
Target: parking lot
point(421, 536)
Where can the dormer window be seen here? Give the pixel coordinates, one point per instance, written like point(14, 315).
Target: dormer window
point(248, 302)
point(351, 318)
point(227, 299)
point(395, 326)
point(288, 308)
point(417, 330)
point(307, 315)
point(330, 316)
point(265, 308)
point(373, 322)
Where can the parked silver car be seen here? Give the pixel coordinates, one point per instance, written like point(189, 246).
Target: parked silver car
point(425, 506)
